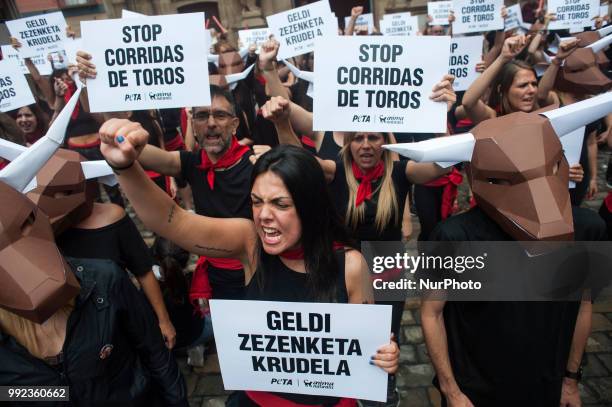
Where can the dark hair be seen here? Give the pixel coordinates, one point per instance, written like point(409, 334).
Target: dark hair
point(56, 73)
point(216, 91)
point(172, 261)
point(150, 124)
point(321, 226)
point(502, 85)
point(41, 117)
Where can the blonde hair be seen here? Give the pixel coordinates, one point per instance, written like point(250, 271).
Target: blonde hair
point(387, 206)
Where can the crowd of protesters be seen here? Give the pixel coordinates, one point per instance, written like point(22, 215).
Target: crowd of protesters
point(276, 211)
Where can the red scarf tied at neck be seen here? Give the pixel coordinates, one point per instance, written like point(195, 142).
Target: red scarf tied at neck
point(450, 182)
point(364, 192)
point(71, 88)
point(231, 156)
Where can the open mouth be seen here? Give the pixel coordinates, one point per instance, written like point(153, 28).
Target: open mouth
point(271, 235)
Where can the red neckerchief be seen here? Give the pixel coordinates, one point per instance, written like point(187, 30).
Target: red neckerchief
point(450, 182)
point(298, 252)
point(69, 92)
point(231, 156)
point(364, 192)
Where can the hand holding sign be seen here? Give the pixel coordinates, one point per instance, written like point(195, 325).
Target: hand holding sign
point(86, 68)
point(122, 142)
point(387, 356)
point(443, 92)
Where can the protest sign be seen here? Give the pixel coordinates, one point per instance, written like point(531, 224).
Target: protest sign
point(131, 14)
point(572, 147)
point(147, 62)
point(572, 14)
point(514, 19)
point(255, 36)
point(40, 62)
point(14, 89)
point(364, 23)
point(399, 24)
point(297, 28)
point(477, 16)
point(72, 46)
point(376, 83)
point(466, 52)
point(307, 348)
point(439, 11)
point(39, 34)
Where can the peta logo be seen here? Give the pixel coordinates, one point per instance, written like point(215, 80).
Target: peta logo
point(391, 119)
point(282, 382)
point(363, 118)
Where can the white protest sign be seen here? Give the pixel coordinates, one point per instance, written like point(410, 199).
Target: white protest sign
point(572, 147)
point(466, 52)
point(477, 16)
point(255, 36)
point(40, 62)
point(364, 23)
point(439, 11)
point(306, 348)
point(604, 10)
point(147, 62)
point(39, 34)
point(72, 46)
point(399, 24)
point(297, 28)
point(572, 14)
point(376, 83)
point(515, 17)
point(131, 14)
point(14, 89)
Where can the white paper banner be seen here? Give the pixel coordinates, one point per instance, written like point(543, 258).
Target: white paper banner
point(364, 23)
point(39, 34)
point(378, 83)
point(14, 89)
point(572, 14)
point(72, 46)
point(572, 147)
point(466, 52)
point(306, 348)
point(297, 28)
point(439, 11)
point(399, 24)
point(477, 16)
point(40, 62)
point(147, 63)
point(131, 14)
point(255, 36)
point(515, 17)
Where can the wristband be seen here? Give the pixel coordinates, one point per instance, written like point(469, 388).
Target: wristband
point(115, 169)
point(574, 375)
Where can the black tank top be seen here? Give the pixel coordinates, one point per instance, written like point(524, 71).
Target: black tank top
point(329, 149)
point(283, 284)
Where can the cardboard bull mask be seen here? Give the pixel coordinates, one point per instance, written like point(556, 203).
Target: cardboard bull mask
point(589, 37)
point(580, 73)
point(517, 169)
point(36, 281)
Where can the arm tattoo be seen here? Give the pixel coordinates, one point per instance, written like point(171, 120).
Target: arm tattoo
point(171, 214)
point(213, 249)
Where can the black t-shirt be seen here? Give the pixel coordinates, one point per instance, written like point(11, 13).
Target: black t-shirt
point(120, 242)
point(367, 230)
point(230, 197)
point(513, 351)
point(329, 149)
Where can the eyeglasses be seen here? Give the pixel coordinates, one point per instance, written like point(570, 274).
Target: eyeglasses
point(217, 115)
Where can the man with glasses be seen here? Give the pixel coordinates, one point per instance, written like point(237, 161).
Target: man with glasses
point(219, 175)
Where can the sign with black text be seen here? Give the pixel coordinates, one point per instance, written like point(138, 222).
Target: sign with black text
point(439, 11)
point(477, 16)
point(466, 52)
point(306, 348)
point(14, 89)
point(572, 14)
point(378, 83)
point(364, 23)
point(40, 62)
point(297, 28)
point(39, 34)
point(147, 63)
point(255, 36)
point(399, 24)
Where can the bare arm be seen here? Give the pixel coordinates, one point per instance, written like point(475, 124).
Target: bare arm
point(495, 50)
point(162, 161)
point(422, 173)
point(121, 142)
point(151, 289)
point(547, 82)
point(355, 13)
point(432, 321)
point(570, 394)
point(357, 277)
point(268, 67)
